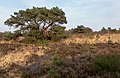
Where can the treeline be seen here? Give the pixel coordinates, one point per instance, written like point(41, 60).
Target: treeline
point(110, 30)
point(84, 29)
point(55, 34)
point(43, 25)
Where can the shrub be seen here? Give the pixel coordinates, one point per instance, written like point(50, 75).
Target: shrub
point(60, 69)
point(109, 63)
point(57, 33)
point(42, 41)
point(53, 72)
point(103, 30)
point(81, 29)
point(9, 35)
point(110, 42)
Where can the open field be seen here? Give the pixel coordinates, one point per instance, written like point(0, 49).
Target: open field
point(69, 58)
point(43, 39)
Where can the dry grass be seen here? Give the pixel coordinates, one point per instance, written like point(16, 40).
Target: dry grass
point(20, 60)
point(93, 39)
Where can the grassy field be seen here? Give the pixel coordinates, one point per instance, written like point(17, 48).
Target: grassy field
point(78, 56)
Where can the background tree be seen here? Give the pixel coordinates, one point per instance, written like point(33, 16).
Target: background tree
point(36, 21)
point(82, 29)
point(114, 30)
point(103, 30)
point(109, 29)
point(119, 30)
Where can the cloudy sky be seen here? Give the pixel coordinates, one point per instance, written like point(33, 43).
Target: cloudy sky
point(91, 13)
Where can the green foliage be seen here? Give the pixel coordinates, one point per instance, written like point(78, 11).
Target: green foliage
point(82, 29)
point(42, 41)
point(35, 34)
point(109, 63)
point(9, 35)
point(114, 30)
point(29, 40)
point(103, 30)
point(56, 60)
point(37, 22)
point(119, 30)
point(53, 72)
point(88, 30)
point(110, 30)
point(57, 33)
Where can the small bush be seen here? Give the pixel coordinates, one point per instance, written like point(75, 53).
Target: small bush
point(110, 42)
point(57, 33)
point(109, 63)
point(9, 35)
point(60, 69)
point(42, 41)
point(53, 72)
point(82, 29)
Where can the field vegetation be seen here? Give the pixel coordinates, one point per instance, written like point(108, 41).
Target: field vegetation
point(42, 48)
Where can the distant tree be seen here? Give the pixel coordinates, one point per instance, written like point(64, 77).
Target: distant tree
point(104, 30)
point(109, 29)
point(88, 30)
point(119, 30)
point(82, 29)
point(114, 30)
point(79, 29)
point(36, 21)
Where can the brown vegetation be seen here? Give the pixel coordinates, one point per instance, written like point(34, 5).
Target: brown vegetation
point(73, 57)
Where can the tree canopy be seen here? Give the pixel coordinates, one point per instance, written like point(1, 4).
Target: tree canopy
point(82, 29)
point(37, 19)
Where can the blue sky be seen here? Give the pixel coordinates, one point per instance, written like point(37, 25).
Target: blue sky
point(91, 13)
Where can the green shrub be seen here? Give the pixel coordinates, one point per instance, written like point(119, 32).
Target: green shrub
point(53, 72)
point(109, 63)
point(110, 42)
point(9, 35)
point(57, 33)
point(82, 29)
point(56, 60)
point(42, 41)
point(35, 34)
